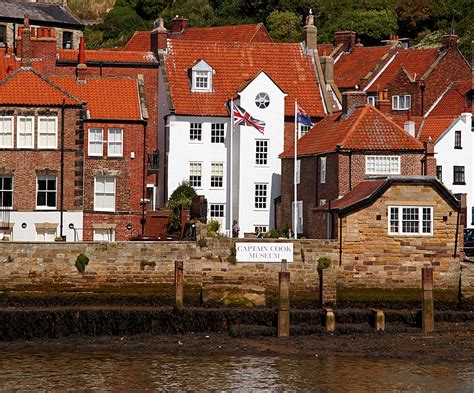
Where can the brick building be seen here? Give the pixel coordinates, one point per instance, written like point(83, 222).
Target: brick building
point(340, 152)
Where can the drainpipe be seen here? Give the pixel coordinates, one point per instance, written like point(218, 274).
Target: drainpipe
point(457, 235)
point(143, 220)
point(340, 241)
point(350, 171)
point(422, 88)
point(61, 207)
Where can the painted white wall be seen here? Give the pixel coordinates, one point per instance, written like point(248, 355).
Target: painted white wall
point(182, 151)
point(20, 234)
point(447, 156)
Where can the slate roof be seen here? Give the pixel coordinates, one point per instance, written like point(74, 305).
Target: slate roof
point(112, 56)
point(107, 98)
point(39, 14)
point(26, 86)
point(140, 41)
point(366, 128)
point(235, 64)
point(351, 67)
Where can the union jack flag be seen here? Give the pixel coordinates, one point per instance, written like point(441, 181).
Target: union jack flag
point(242, 117)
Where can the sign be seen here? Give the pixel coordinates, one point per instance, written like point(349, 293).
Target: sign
point(264, 252)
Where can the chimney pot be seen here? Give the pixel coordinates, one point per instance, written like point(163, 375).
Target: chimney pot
point(178, 25)
point(450, 41)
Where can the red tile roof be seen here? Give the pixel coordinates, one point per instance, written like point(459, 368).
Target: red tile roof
point(9, 63)
point(455, 101)
point(115, 56)
point(236, 64)
point(107, 98)
point(415, 61)
point(26, 86)
point(433, 127)
point(140, 41)
point(366, 128)
point(325, 49)
point(353, 66)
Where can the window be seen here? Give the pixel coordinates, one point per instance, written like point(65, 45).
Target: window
point(195, 132)
point(410, 220)
point(195, 174)
point(261, 196)
point(298, 171)
point(45, 234)
point(3, 34)
point(104, 193)
point(303, 129)
point(372, 100)
point(6, 132)
point(6, 192)
point(262, 100)
point(104, 235)
point(322, 171)
point(217, 175)
point(216, 212)
point(47, 132)
point(115, 142)
point(472, 215)
point(67, 40)
point(261, 152)
point(25, 132)
point(299, 216)
point(459, 175)
point(217, 133)
point(96, 142)
point(457, 140)
point(382, 165)
point(46, 192)
point(439, 172)
point(261, 228)
point(202, 80)
point(400, 103)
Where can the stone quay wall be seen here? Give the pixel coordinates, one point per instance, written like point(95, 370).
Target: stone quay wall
point(148, 268)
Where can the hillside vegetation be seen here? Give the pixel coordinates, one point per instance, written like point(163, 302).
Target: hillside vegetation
point(372, 20)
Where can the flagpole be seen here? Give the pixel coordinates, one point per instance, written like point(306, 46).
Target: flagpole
point(231, 177)
point(295, 219)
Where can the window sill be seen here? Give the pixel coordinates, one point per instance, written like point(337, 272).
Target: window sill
point(459, 184)
point(458, 147)
point(261, 166)
point(217, 188)
point(410, 235)
point(196, 142)
point(45, 208)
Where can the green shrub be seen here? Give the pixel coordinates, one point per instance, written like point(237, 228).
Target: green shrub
point(81, 262)
point(232, 258)
point(201, 242)
point(323, 263)
point(213, 227)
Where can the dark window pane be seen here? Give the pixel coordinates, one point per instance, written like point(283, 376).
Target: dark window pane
point(41, 199)
point(51, 199)
point(52, 184)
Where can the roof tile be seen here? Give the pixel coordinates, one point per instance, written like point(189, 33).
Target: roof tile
point(115, 56)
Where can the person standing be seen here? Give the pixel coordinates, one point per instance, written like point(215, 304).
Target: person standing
point(235, 229)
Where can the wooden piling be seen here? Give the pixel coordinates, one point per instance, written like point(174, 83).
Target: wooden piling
point(284, 305)
point(377, 320)
point(329, 320)
point(427, 315)
point(179, 284)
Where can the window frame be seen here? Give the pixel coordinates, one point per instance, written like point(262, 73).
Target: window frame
point(47, 178)
point(109, 143)
point(457, 139)
point(372, 100)
point(261, 152)
point(32, 118)
point(193, 182)
point(439, 173)
point(91, 142)
point(45, 231)
point(396, 100)
point(4, 190)
point(400, 221)
point(105, 193)
point(459, 176)
point(379, 157)
point(55, 120)
point(303, 129)
point(260, 199)
point(216, 177)
point(198, 137)
point(12, 132)
point(198, 77)
point(322, 170)
point(109, 232)
point(217, 134)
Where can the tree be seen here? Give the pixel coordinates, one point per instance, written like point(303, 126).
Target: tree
point(412, 16)
point(181, 199)
point(284, 26)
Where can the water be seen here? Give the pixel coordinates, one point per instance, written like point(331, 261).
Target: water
point(145, 372)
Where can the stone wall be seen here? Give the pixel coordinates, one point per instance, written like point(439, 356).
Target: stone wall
point(467, 280)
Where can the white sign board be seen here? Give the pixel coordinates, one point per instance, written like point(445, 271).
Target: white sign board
point(264, 252)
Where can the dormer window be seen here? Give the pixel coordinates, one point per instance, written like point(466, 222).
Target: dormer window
point(201, 75)
point(401, 103)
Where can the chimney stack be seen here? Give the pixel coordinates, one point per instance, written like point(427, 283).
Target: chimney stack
point(26, 44)
point(178, 25)
point(158, 37)
point(81, 69)
point(450, 41)
point(310, 34)
point(347, 38)
point(383, 103)
point(327, 64)
point(409, 125)
point(353, 99)
point(430, 160)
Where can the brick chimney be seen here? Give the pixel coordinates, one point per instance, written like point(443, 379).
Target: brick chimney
point(26, 43)
point(450, 41)
point(310, 34)
point(158, 37)
point(383, 103)
point(81, 69)
point(353, 99)
point(409, 125)
point(178, 25)
point(430, 160)
point(347, 38)
point(327, 64)
point(392, 39)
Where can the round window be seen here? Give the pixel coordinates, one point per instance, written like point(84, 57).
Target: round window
point(262, 100)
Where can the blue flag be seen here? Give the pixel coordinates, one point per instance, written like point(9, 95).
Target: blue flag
point(303, 118)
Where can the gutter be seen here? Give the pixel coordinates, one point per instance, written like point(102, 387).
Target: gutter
point(111, 64)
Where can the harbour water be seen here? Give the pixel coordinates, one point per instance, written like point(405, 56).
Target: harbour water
point(76, 370)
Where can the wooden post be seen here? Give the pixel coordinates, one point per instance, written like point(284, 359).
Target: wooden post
point(427, 315)
point(178, 284)
point(377, 320)
point(330, 320)
point(284, 305)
